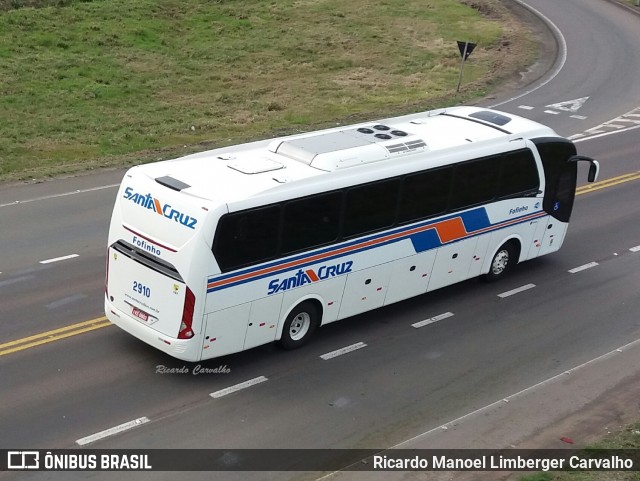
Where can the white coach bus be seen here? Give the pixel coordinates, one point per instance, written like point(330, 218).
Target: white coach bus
point(225, 250)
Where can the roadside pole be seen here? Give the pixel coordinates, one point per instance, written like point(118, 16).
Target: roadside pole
point(465, 50)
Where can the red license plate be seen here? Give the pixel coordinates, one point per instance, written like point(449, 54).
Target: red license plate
point(140, 314)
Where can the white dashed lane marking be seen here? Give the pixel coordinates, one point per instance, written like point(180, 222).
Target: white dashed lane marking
point(111, 431)
point(344, 350)
point(238, 387)
point(58, 259)
point(437, 318)
point(583, 267)
point(516, 290)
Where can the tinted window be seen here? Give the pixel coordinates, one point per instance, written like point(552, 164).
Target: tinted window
point(560, 176)
point(370, 207)
point(311, 221)
point(519, 174)
point(247, 237)
point(425, 194)
point(475, 182)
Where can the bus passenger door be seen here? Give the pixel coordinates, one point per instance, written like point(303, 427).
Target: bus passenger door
point(559, 194)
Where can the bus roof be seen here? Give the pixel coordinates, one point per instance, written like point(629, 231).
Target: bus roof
point(239, 173)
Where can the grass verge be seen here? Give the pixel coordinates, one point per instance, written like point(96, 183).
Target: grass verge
point(87, 84)
point(629, 438)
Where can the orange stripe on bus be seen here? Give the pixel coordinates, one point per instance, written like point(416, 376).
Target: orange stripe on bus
point(158, 207)
point(451, 229)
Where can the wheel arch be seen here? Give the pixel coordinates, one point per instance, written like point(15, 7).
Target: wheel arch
point(514, 239)
point(313, 298)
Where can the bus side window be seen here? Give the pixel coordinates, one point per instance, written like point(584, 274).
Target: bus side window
point(247, 237)
point(311, 221)
point(475, 182)
point(370, 207)
point(425, 194)
point(518, 174)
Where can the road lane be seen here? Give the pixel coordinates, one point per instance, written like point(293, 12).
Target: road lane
point(405, 379)
point(403, 382)
point(602, 64)
point(51, 296)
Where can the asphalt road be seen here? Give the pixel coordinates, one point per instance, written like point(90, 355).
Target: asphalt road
point(406, 380)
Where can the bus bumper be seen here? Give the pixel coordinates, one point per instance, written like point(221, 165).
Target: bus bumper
point(183, 349)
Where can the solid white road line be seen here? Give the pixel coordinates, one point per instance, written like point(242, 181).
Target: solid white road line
point(516, 290)
point(512, 397)
point(64, 194)
point(519, 393)
point(111, 431)
point(437, 318)
point(583, 267)
point(56, 259)
point(238, 387)
point(562, 54)
point(344, 350)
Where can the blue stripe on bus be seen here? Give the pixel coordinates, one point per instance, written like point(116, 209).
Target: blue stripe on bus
point(426, 237)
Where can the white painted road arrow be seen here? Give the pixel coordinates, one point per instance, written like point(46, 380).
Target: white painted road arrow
point(569, 105)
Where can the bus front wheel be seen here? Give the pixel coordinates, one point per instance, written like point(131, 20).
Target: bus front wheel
point(503, 261)
point(299, 325)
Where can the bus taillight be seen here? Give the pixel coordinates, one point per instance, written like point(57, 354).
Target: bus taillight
point(187, 316)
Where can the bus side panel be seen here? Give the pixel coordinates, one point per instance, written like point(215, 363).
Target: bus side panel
point(553, 236)
point(225, 331)
point(410, 276)
point(329, 292)
point(365, 290)
point(452, 263)
point(263, 321)
point(478, 258)
point(538, 236)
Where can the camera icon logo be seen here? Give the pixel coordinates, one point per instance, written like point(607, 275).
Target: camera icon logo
point(23, 460)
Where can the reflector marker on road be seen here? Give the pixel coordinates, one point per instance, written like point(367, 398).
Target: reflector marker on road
point(111, 431)
point(635, 249)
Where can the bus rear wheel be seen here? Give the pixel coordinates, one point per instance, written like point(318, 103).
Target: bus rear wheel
point(502, 262)
point(300, 325)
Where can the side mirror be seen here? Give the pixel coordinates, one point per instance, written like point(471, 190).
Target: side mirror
point(594, 168)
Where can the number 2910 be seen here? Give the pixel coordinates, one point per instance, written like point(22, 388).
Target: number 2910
point(141, 289)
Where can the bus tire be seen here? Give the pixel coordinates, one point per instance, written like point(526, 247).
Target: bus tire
point(300, 325)
point(503, 261)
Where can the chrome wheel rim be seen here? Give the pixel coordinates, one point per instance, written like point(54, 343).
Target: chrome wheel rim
point(299, 326)
point(500, 262)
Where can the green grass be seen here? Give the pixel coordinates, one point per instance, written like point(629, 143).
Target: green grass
point(629, 438)
point(109, 82)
